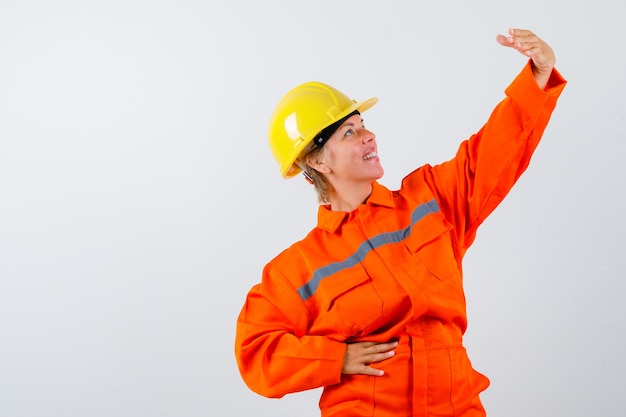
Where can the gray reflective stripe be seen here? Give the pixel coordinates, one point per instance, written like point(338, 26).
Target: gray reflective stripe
point(308, 289)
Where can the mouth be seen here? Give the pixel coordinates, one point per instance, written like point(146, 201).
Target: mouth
point(370, 155)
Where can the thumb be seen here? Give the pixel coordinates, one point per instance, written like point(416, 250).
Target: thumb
point(503, 40)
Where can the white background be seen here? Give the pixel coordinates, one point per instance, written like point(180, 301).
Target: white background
point(139, 200)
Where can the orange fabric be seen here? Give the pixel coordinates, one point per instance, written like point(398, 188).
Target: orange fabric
point(391, 269)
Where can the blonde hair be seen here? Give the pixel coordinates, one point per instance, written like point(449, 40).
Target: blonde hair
point(322, 186)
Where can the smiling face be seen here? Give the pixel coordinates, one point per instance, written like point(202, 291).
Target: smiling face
point(350, 156)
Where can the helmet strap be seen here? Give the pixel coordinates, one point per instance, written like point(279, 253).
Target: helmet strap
point(308, 177)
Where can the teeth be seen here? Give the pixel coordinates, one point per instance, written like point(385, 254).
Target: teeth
point(370, 155)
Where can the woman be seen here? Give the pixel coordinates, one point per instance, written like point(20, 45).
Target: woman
point(370, 304)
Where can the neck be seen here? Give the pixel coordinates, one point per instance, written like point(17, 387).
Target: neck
point(348, 198)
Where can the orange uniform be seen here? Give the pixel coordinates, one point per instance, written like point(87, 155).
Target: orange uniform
point(391, 269)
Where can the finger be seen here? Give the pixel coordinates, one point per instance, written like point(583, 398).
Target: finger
point(520, 36)
point(512, 42)
point(503, 40)
point(378, 357)
point(363, 345)
point(528, 49)
point(384, 347)
point(368, 370)
point(514, 32)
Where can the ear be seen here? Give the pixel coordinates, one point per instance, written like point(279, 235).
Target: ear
point(317, 163)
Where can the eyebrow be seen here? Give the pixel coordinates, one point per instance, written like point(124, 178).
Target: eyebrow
point(350, 124)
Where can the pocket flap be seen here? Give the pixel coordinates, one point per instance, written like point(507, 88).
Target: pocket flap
point(427, 230)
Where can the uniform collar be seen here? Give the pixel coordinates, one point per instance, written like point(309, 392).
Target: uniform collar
point(331, 220)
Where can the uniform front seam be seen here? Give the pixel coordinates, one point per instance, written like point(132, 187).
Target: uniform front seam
point(451, 381)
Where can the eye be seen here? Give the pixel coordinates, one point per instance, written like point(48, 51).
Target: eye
point(349, 132)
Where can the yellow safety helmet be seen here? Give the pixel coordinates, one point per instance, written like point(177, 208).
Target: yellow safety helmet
point(301, 115)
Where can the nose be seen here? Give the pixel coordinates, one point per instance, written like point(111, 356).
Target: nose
point(367, 136)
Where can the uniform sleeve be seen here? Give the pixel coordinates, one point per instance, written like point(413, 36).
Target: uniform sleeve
point(487, 165)
point(273, 351)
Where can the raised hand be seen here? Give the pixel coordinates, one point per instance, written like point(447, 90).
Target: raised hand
point(529, 44)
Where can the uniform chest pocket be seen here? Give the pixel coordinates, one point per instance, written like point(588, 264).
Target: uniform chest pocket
point(350, 302)
point(430, 246)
